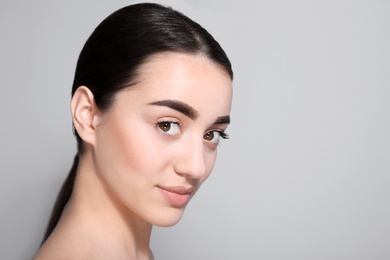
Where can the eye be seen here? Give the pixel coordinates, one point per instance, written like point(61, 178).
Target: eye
point(169, 127)
point(214, 136)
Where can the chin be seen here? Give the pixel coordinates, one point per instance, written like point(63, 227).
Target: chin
point(166, 223)
point(168, 219)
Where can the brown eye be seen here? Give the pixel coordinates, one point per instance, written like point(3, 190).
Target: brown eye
point(165, 126)
point(215, 135)
point(169, 128)
point(209, 136)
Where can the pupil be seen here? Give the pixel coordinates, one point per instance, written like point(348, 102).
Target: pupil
point(209, 136)
point(166, 126)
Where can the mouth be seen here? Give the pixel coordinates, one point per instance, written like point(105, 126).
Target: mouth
point(177, 196)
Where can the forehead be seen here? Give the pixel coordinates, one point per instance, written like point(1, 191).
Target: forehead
point(192, 79)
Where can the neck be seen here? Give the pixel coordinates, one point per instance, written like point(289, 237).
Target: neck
point(100, 220)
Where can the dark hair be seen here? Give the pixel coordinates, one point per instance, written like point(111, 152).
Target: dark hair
point(112, 56)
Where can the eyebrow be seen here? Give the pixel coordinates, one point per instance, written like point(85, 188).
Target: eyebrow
point(188, 110)
point(178, 106)
point(222, 120)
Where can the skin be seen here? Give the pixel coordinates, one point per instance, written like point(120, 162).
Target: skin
point(141, 144)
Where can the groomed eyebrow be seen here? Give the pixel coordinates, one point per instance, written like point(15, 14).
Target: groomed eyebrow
point(222, 120)
point(178, 106)
point(188, 110)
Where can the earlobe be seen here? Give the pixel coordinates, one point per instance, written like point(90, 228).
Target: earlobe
point(84, 114)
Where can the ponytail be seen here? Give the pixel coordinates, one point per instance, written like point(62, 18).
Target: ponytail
point(62, 199)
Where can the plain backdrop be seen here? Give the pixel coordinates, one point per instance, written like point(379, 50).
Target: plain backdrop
point(306, 173)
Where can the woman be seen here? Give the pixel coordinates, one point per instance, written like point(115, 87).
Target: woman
point(150, 100)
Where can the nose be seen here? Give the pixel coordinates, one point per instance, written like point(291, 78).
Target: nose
point(191, 159)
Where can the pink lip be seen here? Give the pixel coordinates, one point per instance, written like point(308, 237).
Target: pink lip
point(176, 195)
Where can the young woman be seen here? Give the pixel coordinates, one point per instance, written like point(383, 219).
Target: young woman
point(150, 101)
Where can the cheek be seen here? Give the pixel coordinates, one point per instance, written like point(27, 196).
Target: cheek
point(129, 163)
point(142, 159)
point(133, 153)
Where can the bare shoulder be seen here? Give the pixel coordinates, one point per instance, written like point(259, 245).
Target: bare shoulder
point(53, 249)
point(65, 244)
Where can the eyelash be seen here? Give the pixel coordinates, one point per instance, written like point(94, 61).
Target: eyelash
point(223, 134)
point(160, 124)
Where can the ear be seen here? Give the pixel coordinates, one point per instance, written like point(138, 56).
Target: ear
point(85, 114)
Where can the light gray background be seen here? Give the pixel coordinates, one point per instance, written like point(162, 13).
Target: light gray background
point(306, 173)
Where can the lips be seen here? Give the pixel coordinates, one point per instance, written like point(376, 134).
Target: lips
point(176, 195)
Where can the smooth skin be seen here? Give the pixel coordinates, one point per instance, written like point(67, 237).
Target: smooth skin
point(161, 134)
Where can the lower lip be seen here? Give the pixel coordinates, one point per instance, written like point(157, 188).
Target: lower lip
point(175, 199)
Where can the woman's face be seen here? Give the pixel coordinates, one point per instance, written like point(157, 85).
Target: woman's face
point(158, 142)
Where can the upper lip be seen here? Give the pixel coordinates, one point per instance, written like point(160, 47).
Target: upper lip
point(178, 189)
